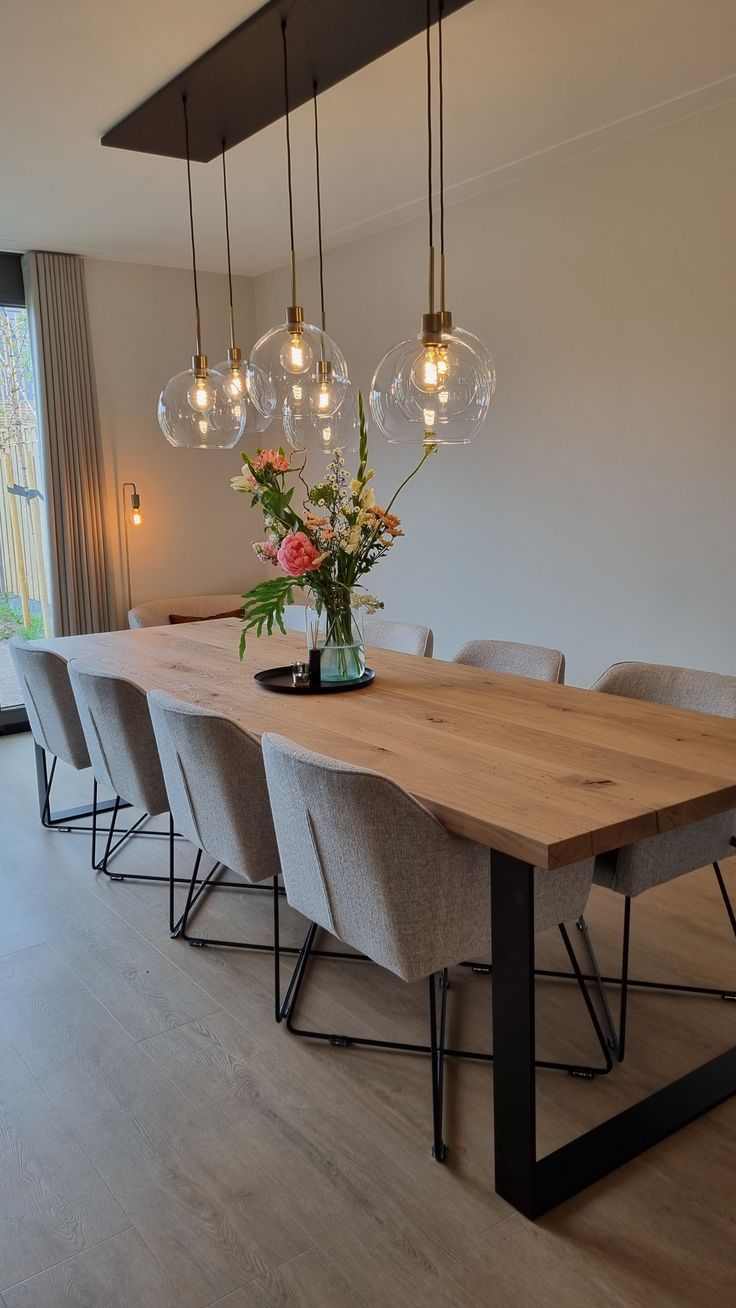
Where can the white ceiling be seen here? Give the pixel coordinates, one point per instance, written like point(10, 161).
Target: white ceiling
point(529, 83)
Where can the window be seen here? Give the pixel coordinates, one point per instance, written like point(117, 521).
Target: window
point(23, 563)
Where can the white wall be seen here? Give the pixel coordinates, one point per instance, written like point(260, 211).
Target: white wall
point(196, 537)
point(595, 512)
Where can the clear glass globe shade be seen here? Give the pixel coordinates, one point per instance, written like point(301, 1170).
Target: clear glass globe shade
point(317, 434)
point(197, 411)
point(246, 382)
point(452, 414)
point(327, 394)
point(281, 360)
point(482, 351)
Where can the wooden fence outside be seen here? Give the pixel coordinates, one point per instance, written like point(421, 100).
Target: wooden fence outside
point(22, 562)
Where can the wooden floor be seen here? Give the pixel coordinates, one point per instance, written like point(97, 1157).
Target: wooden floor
point(164, 1145)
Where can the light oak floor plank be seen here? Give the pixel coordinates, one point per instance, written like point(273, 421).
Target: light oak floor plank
point(53, 1201)
point(119, 1273)
point(260, 1169)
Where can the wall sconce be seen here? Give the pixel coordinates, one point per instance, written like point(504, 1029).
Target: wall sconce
point(132, 517)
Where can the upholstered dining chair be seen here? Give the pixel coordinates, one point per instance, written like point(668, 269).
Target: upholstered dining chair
point(54, 721)
point(401, 637)
point(343, 834)
point(216, 786)
point(507, 656)
point(218, 799)
point(122, 749)
point(662, 858)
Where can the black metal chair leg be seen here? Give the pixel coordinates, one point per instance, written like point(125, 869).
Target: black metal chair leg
point(588, 1003)
point(276, 953)
point(439, 1148)
point(102, 865)
point(621, 1045)
point(94, 823)
point(48, 782)
point(726, 899)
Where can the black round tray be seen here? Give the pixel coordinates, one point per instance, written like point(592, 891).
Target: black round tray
point(280, 680)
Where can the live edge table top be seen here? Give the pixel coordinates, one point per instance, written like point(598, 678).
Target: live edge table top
point(549, 774)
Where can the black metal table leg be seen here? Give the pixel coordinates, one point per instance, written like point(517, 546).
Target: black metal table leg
point(531, 1185)
point(514, 1095)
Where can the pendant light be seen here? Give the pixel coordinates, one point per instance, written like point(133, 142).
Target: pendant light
point(301, 362)
point(243, 382)
point(434, 389)
point(323, 426)
point(196, 409)
point(445, 316)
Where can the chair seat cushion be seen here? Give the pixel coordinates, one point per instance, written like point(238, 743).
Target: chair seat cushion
point(666, 856)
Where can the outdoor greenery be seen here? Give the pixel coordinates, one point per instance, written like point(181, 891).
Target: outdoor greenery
point(11, 624)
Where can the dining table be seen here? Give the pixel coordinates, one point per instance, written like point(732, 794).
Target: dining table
point(542, 775)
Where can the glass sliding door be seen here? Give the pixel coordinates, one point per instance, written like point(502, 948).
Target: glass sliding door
point(24, 610)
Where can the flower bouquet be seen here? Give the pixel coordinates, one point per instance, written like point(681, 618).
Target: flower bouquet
point(324, 550)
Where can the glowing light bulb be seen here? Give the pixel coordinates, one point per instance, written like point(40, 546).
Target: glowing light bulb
point(204, 426)
point(327, 435)
point(135, 518)
point(430, 369)
point(429, 416)
point(297, 394)
point(201, 395)
point(234, 384)
point(296, 353)
point(324, 398)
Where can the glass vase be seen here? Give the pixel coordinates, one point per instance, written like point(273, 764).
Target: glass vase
point(338, 632)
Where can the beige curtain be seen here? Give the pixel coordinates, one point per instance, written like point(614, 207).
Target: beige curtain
point(70, 438)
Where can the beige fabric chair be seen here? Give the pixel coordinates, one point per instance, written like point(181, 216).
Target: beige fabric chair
point(155, 613)
point(507, 656)
point(637, 868)
point(218, 799)
point(365, 861)
point(122, 749)
point(54, 721)
point(402, 637)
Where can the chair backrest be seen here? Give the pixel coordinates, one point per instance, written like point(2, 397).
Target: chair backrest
point(507, 656)
point(295, 618)
point(402, 637)
point(686, 688)
point(365, 861)
point(50, 704)
point(155, 613)
point(117, 728)
point(216, 785)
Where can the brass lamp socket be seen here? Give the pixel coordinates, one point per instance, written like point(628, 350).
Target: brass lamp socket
point(235, 356)
point(324, 369)
point(295, 317)
point(445, 320)
point(199, 365)
point(431, 333)
point(135, 500)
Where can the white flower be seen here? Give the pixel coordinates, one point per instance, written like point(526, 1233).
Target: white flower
point(364, 601)
point(241, 483)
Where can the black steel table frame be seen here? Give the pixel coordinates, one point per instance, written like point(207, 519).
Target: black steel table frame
point(533, 1186)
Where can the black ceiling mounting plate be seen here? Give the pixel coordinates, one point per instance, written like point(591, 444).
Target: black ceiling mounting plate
point(236, 89)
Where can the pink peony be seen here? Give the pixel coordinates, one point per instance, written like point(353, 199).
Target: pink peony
point(266, 551)
point(297, 554)
point(271, 459)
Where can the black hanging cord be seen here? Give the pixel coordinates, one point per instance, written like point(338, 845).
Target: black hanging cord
point(288, 161)
point(191, 225)
point(227, 246)
point(319, 208)
point(429, 148)
point(442, 129)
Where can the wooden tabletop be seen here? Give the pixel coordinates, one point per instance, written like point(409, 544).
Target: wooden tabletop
point(550, 774)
